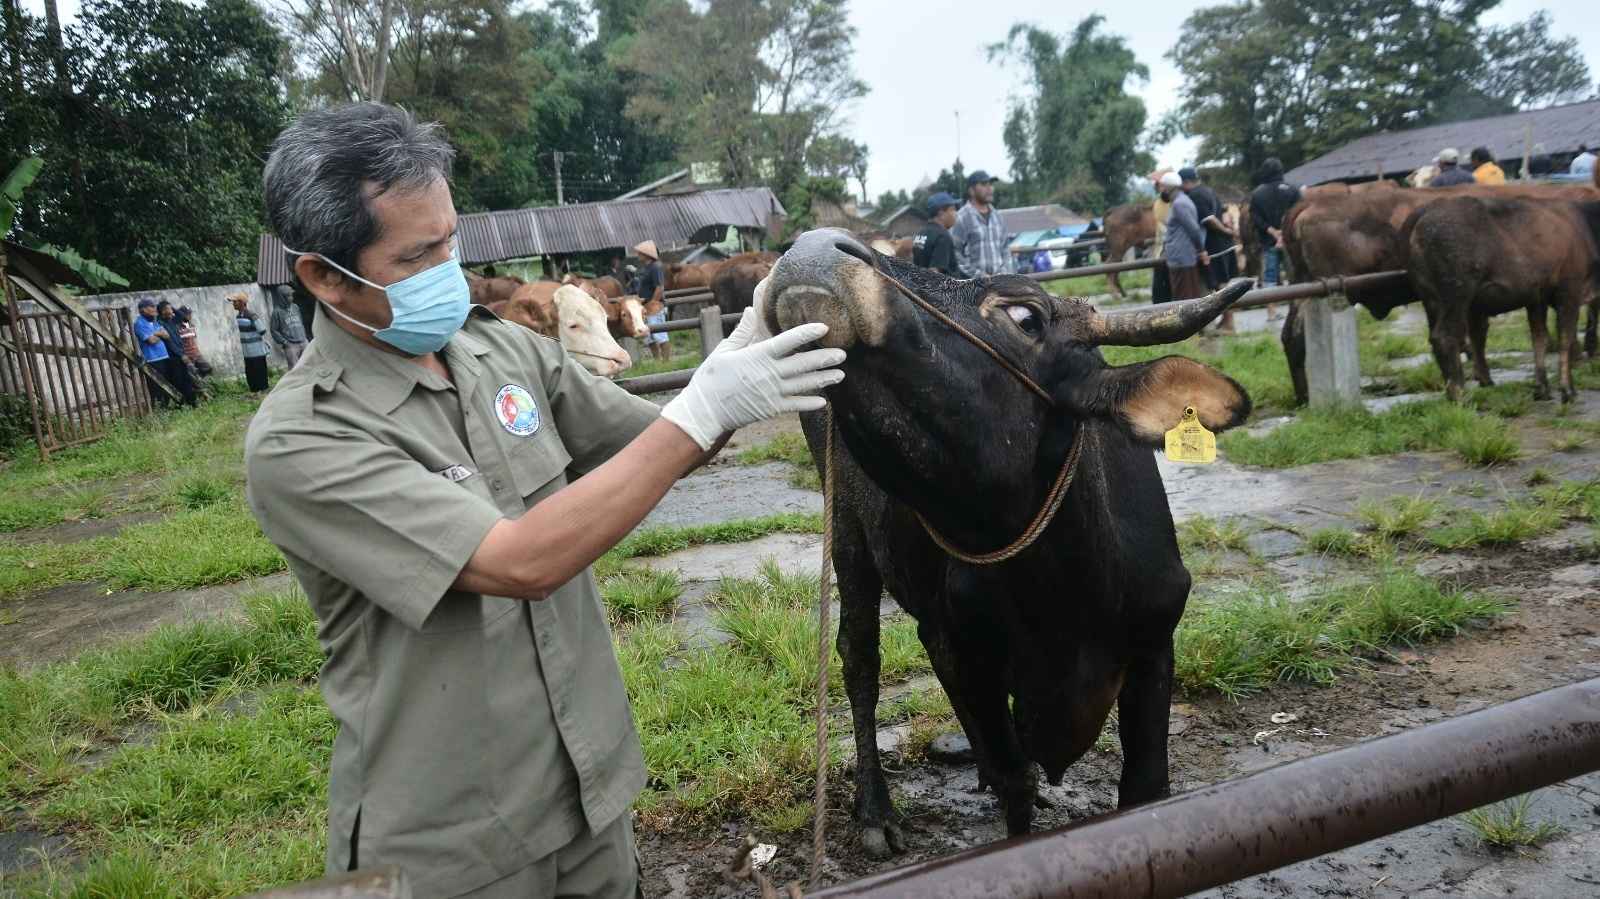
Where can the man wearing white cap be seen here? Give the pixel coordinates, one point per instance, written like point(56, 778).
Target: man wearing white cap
point(1450, 172)
point(651, 279)
point(1184, 246)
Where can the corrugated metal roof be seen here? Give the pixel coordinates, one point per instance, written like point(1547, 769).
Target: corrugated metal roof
point(1039, 218)
point(1559, 128)
point(581, 228)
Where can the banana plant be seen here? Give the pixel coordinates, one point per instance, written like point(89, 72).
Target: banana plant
point(11, 190)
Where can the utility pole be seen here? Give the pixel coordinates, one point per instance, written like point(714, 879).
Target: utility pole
point(560, 200)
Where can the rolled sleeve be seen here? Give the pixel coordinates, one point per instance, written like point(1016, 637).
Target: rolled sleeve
point(367, 514)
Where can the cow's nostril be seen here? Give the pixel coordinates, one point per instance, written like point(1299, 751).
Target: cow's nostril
point(850, 248)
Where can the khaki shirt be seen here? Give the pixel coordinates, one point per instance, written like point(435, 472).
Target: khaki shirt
point(477, 733)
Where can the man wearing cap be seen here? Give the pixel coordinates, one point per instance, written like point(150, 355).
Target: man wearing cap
point(652, 278)
point(414, 470)
point(933, 247)
point(980, 236)
point(153, 337)
point(1450, 173)
point(1185, 243)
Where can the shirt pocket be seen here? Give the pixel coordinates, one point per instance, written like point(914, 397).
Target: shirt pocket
point(539, 465)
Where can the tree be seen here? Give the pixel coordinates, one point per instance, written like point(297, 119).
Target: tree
point(350, 38)
point(837, 156)
point(747, 84)
point(1075, 138)
point(178, 105)
point(1296, 78)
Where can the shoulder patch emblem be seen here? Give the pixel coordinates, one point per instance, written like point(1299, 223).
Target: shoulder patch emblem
point(514, 406)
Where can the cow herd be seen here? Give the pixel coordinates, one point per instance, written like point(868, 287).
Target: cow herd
point(590, 316)
point(1471, 252)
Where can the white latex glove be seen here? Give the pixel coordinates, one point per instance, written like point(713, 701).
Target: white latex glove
point(745, 381)
point(759, 304)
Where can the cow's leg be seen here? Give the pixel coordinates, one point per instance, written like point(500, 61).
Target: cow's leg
point(1539, 335)
point(1143, 707)
point(978, 693)
point(1293, 337)
point(1445, 331)
point(1114, 285)
point(1591, 328)
point(1479, 333)
point(1568, 300)
point(860, 589)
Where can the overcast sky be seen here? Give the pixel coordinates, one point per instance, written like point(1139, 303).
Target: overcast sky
point(926, 62)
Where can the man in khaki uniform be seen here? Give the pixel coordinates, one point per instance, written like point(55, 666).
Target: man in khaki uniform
point(440, 482)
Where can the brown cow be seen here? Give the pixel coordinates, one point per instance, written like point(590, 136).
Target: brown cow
point(1129, 227)
point(688, 274)
point(1357, 232)
point(734, 284)
point(487, 291)
point(1471, 257)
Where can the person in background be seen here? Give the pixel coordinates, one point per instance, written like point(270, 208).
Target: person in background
point(252, 341)
point(1538, 161)
point(652, 279)
point(1160, 285)
point(1484, 170)
point(1185, 243)
point(1219, 237)
point(979, 234)
point(190, 338)
point(153, 339)
point(1268, 203)
point(619, 272)
point(167, 316)
point(1583, 163)
point(288, 331)
point(1450, 174)
point(933, 247)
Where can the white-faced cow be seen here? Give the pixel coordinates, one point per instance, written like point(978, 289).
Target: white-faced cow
point(933, 434)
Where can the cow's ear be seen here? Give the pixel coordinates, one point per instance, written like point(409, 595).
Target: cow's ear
point(1148, 398)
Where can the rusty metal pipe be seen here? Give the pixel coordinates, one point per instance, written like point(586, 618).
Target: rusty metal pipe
point(1290, 813)
point(1104, 268)
point(1319, 288)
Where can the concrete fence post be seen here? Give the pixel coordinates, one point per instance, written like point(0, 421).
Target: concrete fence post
point(1333, 355)
point(710, 329)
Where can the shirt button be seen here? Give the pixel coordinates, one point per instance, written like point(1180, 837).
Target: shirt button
point(496, 485)
point(561, 708)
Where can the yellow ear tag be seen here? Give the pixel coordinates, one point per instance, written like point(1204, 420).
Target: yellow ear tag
point(1190, 441)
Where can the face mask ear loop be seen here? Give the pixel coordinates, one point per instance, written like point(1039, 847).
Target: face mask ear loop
point(348, 272)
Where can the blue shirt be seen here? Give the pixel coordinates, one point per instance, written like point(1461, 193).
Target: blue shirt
point(143, 330)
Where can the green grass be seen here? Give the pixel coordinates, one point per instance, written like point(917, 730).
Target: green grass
point(1243, 644)
point(1343, 542)
point(637, 594)
point(790, 448)
point(213, 544)
point(1571, 499)
point(141, 464)
point(1321, 435)
point(1202, 532)
point(685, 354)
point(1512, 523)
point(1094, 285)
point(1399, 516)
point(662, 540)
point(1509, 826)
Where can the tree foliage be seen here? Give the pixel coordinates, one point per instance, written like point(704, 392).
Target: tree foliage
point(153, 151)
point(746, 84)
point(1296, 78)
point(1074, 139)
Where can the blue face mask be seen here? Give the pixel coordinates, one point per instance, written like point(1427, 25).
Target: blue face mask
point(428, 308)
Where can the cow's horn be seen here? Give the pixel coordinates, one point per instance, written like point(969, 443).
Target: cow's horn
point(1164, 323)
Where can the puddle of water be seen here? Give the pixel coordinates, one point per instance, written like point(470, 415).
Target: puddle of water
point(730, 492)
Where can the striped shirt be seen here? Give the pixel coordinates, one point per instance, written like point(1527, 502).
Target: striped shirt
point(251, 340)
point(980, 242)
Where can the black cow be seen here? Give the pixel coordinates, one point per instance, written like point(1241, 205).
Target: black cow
point(928, 424)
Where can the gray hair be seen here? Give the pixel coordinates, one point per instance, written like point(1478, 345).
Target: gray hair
point(317, 179)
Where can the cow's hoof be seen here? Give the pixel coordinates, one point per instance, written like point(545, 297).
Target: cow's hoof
point(882, 842)
point(1568, 396)
point(1542, 393)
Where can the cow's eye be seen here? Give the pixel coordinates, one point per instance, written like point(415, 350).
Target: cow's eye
point(1026, 318)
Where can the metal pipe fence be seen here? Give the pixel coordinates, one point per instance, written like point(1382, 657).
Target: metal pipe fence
point(1273, 818)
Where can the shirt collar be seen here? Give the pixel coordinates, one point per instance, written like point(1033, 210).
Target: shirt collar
point(386, 378)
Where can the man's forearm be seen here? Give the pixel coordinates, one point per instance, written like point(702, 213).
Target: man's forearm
point(531, 556)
